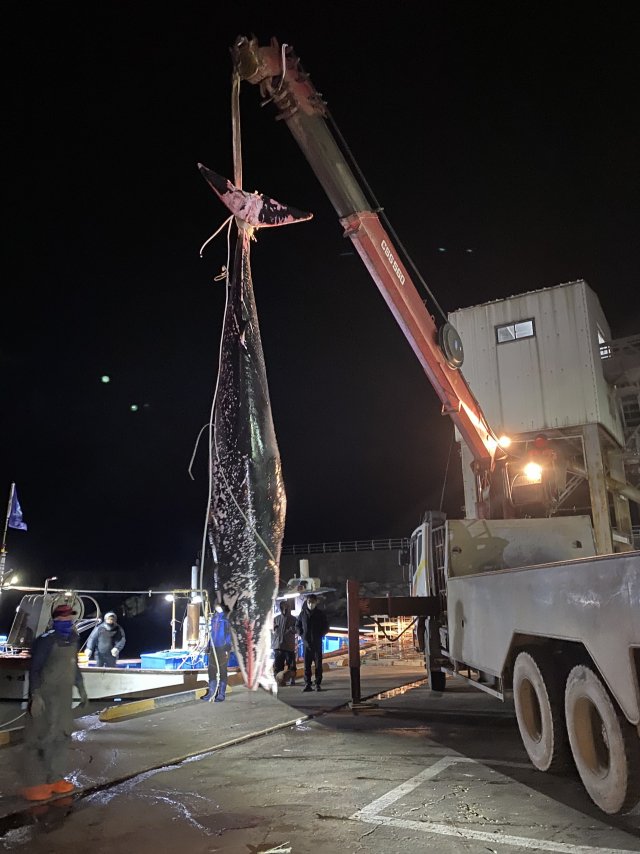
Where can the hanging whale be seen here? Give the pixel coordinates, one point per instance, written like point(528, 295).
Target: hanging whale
point(248, 503)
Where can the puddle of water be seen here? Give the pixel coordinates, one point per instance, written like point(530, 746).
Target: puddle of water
point(103, 796)
point(395, 692)
point(16, 828)
point(22, 828)
point(81, 734)
point(183, 810)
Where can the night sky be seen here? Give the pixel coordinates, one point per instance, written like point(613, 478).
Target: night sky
point(507, 129)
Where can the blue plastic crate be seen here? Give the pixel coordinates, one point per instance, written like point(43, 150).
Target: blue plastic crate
point(174, 659)
point(330, 643)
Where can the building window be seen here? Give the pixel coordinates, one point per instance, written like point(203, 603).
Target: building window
point(605, 349)
point(515, 331)
point(631, 411)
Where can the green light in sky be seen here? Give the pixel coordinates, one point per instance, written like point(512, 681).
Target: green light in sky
point(105, 379)
point(134, 407)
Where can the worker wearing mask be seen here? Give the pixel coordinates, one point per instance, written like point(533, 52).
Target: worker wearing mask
point(107, 640)
point(218, 648)
point(283, 643)
point(312, 625)
point(49, 720)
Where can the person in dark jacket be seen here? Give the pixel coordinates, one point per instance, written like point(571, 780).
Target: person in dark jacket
point(53, 672)
point(107, 640)
point(283, 644)
point(218, 660)
point(312, 625)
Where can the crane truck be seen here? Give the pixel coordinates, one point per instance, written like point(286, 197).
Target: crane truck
point(520, 606)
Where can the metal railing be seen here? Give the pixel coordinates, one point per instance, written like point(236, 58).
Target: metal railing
point(351, 546)
point(620, 346)
point(393, 639)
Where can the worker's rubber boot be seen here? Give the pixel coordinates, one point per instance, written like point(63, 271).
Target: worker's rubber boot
point(62, 787)
point(211, 691)
point(37, 793)
point(222, 690)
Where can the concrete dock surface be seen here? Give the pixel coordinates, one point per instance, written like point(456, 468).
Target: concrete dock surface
point(424, 771)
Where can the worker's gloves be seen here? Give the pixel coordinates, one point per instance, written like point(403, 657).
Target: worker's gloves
point(84, 698)
point(37, 706)
point(115, 652)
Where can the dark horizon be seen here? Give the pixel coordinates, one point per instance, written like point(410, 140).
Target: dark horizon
point(508, 131)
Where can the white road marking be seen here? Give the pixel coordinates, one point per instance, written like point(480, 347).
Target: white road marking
point(394, 795)
point(371, 814)
point(493, 838)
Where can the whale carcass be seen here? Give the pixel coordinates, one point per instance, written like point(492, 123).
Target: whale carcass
point(248, 503)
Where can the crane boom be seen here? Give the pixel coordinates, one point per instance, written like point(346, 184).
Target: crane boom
point(282, 80)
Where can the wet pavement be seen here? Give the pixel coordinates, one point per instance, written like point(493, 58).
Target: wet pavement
point(423, 771)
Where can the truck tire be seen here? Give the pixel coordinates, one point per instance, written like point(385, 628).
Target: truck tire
point(540, 714)
point(605, 746)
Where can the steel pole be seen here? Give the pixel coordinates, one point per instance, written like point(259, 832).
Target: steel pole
point(353, 630)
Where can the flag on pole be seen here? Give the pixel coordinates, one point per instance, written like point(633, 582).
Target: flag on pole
point(15, 514)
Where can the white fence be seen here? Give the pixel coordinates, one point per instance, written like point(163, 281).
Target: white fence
point(352, 546)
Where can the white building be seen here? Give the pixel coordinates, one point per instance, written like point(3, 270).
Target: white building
point(535, 363)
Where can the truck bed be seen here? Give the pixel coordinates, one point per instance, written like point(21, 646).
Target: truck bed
point(594, 601)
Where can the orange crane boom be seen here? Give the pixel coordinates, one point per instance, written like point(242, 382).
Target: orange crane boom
point(282, 80)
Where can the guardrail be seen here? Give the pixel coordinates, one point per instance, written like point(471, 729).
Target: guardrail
point(351, 546)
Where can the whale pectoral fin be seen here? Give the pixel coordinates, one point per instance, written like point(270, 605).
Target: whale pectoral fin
point(253, 208)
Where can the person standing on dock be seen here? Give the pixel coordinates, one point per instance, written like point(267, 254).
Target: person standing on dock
point(283, 644)
point(108, 640)
point(219, 648)
point(49, 721)
point(312, 625)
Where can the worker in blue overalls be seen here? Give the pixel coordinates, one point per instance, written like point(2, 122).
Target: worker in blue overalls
point(220, 641)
